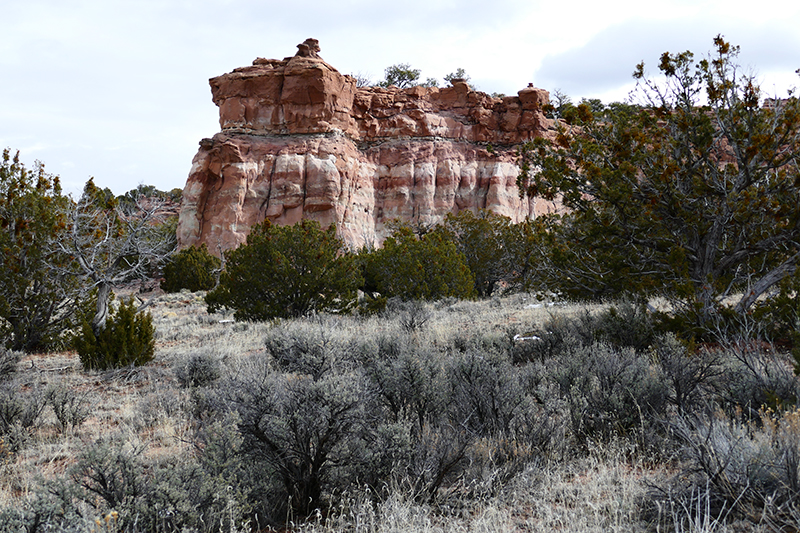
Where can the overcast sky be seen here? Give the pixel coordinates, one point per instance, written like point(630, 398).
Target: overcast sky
point(118, 90)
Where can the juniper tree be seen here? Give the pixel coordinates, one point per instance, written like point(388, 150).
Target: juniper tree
point(287, 271)
point(36, 300)
point(693, 194)
point(424, 267)
point(113, 242)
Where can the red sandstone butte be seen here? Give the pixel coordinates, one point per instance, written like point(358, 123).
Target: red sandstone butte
point(299, 141)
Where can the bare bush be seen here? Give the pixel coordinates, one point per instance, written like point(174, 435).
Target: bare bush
point(409, 381)
point(309, 434)
point(745, 469)
point(757, 376)
point(694, 378)
point(412, 314)
point(610, 392)
point(310, 346)
point(200, 370)
point(71, 409)
point(485, 392)
point(19, 413)
point(8, 362)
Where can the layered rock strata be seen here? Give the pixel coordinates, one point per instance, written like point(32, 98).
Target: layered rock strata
point(299, 140)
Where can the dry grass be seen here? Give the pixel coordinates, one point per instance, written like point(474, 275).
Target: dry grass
point(599, 491)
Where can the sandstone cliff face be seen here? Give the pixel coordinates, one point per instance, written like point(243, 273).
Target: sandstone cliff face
point(299, 141)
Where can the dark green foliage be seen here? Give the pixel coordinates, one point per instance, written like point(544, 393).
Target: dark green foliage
point(626, 324)
point(148, 191)
point(525, 248)
point(482, 238)
point(400, 75)
point(192, 268)
point(287, 271)
point(403, 76)
point(692, 196)
point(459, 74)
point(55, 250)
point(36, 292)
point(428, 267)
point(779, 316)
point(127, 339)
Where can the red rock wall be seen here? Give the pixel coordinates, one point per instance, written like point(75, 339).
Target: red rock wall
point(300, 140)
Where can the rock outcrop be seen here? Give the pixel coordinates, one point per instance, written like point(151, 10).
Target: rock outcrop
point(300, 140)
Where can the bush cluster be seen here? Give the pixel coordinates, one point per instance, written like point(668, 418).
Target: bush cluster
point(296, 270)
point(424, 267)
point(199, 370)
point(333, 406)
point(112, 485)
point(322, 412)
point(725, 410)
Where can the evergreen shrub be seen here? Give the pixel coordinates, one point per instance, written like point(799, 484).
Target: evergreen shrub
point(411, 267)
point(287, 271)
point(127, 339)
point(193, 269)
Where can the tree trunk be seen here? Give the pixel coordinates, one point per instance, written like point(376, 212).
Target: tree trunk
point(787, 268)
point(99, 320)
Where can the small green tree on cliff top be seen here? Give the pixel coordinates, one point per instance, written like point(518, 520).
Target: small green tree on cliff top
point(695, 195)
point(403, 76)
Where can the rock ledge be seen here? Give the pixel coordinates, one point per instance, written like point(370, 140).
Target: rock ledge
point(299, 140)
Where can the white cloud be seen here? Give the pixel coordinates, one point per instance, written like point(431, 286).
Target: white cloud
point(605, 63)
point(118, 89)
